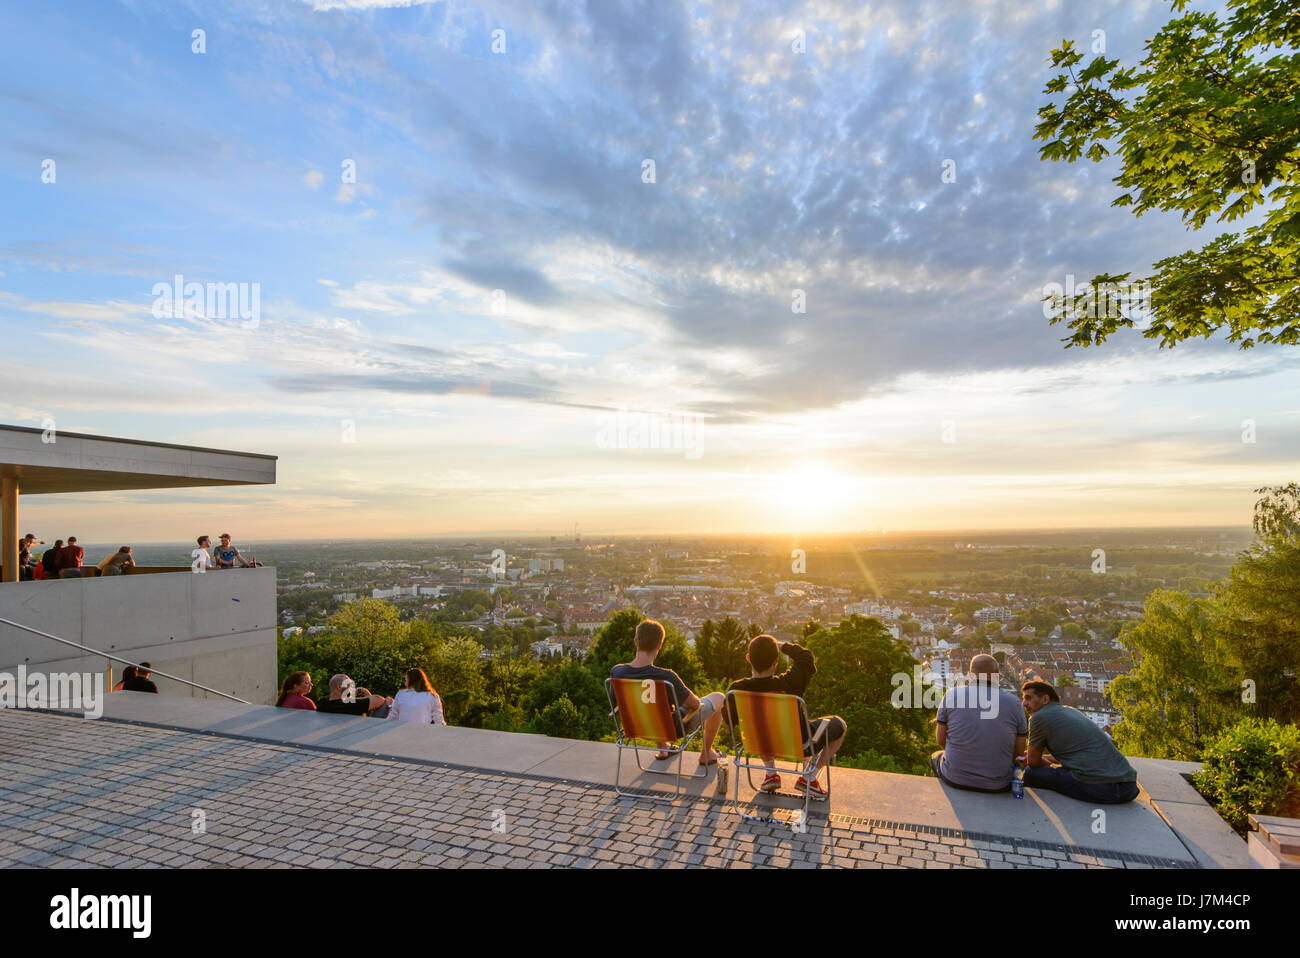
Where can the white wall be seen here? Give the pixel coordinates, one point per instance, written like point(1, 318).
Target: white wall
point(217, 628)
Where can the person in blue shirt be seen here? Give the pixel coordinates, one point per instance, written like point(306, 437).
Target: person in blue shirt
point(226, 555)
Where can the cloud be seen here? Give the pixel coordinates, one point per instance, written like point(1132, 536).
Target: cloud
point(776, 171)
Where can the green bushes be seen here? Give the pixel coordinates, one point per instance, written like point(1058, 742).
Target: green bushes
point(1252, 767)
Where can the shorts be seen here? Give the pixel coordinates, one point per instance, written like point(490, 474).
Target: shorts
point(705, 712)
point(823, 730)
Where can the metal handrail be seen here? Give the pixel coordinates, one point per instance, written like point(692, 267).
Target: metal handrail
point(109, 655)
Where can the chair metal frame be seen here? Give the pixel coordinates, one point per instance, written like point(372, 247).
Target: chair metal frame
point(741, 752)
point(683, 741)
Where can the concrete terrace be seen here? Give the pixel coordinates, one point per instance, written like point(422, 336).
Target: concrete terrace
point(284, 788)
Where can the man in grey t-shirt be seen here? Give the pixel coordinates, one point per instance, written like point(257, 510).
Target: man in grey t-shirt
point(1069, 754)
point(980, 728)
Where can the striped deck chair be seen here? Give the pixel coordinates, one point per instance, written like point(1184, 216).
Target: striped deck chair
point(772, 723)
point(647, 709)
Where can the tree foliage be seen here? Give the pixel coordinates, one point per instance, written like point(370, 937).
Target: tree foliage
point(1204, 665)
point(1179, 695)
point(1206, 126)
point(1252, 768)
point(1261, 607)
point(721, 647)
point(584, 689)
point(856, 661)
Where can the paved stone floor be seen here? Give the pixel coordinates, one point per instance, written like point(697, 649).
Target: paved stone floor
point(85, 794)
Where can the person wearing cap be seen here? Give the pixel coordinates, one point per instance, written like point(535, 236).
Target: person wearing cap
point(226, 555)
point(25, 555)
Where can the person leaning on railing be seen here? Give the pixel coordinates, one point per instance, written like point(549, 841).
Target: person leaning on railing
point(226, 555)
point(68, 561)
point(118, 562)
point(25, 571)
point(50, 561)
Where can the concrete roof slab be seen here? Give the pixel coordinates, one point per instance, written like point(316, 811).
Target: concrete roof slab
point(73, 462)
point(913, 801)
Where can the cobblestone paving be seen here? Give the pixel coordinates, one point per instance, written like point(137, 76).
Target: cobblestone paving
point(87, 794)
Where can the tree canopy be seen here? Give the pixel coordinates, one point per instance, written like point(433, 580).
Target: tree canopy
point(1205, 664)
point(856, 662)
point(1207, 125)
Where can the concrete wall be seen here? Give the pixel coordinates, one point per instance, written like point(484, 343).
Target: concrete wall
point(217, 628)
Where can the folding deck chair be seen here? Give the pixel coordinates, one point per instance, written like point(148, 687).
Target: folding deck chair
point(647, 709)
point(773, 723)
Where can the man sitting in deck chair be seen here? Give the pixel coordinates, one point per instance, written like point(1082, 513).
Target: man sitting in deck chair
point(762, 658)
point(691, 710)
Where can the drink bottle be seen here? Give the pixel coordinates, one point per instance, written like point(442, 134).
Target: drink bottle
point(1018, 781)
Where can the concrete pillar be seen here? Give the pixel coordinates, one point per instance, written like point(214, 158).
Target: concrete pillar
point(9, 527)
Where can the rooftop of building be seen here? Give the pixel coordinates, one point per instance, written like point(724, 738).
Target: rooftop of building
point(48, 461)
point(286, 788)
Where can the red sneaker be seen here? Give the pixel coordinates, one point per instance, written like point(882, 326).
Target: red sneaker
point(813, 788)
point(771, 783)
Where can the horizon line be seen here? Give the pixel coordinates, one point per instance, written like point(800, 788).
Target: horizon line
point(592, 536)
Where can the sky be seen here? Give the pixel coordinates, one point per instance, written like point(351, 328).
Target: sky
point(476, 299)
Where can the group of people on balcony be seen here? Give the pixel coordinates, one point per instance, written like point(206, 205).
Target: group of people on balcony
point(416, 702)
point(64, 560)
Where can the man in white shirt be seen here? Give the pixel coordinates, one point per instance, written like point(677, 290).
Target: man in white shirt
point(201, 556)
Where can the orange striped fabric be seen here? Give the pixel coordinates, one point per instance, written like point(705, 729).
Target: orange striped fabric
point(651, 719)
point(769, 724)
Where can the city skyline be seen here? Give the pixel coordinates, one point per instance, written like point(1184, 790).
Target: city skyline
point(454, 285)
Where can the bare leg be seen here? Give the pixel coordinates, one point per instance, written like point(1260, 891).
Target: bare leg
point(828, 756)
point(711, 726)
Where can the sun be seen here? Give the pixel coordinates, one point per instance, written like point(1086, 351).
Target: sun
point(810, 492)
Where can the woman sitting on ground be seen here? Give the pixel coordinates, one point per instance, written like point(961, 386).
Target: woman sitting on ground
point(293, 694)
point(418, 702)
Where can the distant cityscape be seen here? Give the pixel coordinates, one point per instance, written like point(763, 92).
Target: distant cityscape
point(1042, 603)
